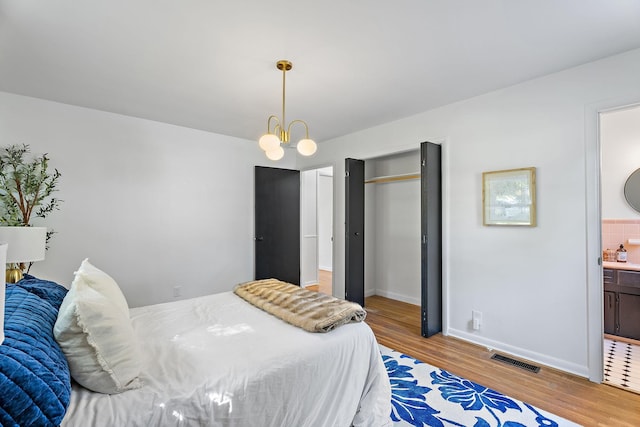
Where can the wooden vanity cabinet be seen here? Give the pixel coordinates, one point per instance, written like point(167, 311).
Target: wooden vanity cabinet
point(609, 312)
point(629, 315)
point(622, 303)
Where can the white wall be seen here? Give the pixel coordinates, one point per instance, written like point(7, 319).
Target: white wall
point(325, 219)
point(308, 227)
point(620, 139)
point(154, 205)
point(529, 283)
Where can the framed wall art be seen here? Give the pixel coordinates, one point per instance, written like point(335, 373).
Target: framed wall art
point(509, 197)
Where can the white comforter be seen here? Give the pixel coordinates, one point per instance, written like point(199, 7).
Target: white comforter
point(219, 361)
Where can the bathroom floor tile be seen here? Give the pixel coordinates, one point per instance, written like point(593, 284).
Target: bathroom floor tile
point(622, 365)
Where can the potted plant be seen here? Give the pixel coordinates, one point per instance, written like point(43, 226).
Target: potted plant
point(26, 188)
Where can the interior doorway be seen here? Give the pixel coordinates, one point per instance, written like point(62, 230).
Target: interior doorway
point(277, 224)
point(620, 225)
point(316, 248)
point(325, 230)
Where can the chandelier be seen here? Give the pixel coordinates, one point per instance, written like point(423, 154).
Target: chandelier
point(273, 141)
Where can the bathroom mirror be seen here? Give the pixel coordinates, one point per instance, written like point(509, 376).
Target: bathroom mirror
point(632, 190)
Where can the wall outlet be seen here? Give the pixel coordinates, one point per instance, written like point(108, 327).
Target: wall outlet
point(476, 319)
point(177, 291)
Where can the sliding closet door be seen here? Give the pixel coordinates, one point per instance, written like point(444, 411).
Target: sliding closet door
point(354, 231)
point(277, 224)
point(431, 252)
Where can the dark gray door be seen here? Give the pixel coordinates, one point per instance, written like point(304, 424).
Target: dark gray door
point(354, 229)
point(431, 252)
point(277, 224)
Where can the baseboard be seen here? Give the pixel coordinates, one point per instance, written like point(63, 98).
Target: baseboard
point(397, 297)
point(552, 362)
point(329, 269)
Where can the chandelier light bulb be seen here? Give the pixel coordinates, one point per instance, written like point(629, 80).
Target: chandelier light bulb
point(269, 142)
point(276, 154)
point(307, 147)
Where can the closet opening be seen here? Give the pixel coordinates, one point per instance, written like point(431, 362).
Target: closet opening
point(393, 226)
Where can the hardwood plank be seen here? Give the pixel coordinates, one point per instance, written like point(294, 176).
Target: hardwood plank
point(397, 326)
point(326, 286)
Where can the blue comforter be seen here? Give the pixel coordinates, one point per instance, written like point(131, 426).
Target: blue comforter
point(34, 376)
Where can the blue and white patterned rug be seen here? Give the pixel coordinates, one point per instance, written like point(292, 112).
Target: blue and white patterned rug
point(423, 395)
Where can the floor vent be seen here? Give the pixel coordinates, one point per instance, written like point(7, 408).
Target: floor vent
point(526, 366)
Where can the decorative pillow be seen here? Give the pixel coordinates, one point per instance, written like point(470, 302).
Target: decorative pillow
point(35, 386)
point(101, 282)
point(95, 333)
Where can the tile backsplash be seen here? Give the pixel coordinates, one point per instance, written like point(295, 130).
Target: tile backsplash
point(616, 231)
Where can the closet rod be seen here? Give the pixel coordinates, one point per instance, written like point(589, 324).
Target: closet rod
point(392, 178)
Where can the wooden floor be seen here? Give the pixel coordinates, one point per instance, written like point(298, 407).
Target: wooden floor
point(325, 284)
point(397, 326)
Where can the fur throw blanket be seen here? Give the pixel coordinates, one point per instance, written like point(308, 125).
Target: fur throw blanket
point(309, 310)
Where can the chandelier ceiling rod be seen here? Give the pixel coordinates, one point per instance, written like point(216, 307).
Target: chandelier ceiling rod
point(284, 66)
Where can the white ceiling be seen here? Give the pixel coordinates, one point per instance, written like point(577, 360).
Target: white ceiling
point(210, 64)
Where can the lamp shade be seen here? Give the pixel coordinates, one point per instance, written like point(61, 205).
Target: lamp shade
point(269, 142)
point(276, 154)
point(307, 147)
point(26, 244)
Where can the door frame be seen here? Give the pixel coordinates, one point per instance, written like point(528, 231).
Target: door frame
point(443, 141)
point(333, 214)
point(593, 208)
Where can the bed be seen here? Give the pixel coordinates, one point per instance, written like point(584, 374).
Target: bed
point(218, 360)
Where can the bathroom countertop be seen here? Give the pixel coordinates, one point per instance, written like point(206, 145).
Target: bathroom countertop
point(621, 265)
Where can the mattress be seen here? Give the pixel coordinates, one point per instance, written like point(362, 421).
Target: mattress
point(219, 361)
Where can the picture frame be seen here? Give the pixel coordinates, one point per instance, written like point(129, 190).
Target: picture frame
point(509, 197)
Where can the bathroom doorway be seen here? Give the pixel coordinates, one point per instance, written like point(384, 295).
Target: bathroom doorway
point(620, 156)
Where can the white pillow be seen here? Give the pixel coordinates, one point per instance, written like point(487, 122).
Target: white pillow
point(101, 282)
point(96, 335)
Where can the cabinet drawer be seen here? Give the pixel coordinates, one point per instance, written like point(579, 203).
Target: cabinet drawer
point(609, 276)
point(629, 278)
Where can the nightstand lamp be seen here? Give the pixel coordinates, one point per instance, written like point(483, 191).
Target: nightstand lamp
point(26, 244)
